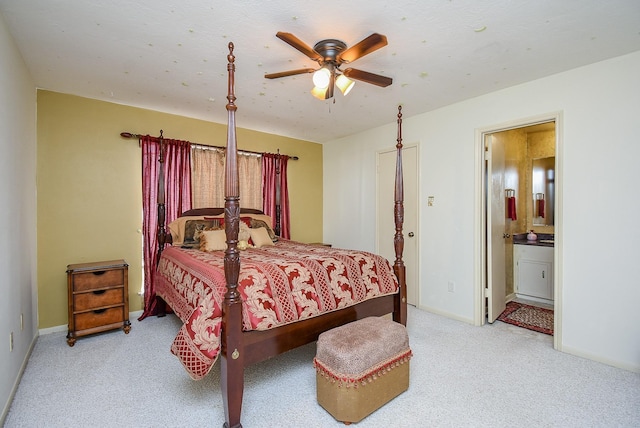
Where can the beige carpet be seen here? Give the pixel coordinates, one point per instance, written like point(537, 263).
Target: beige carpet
point(497, 375)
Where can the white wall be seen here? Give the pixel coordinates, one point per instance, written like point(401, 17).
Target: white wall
point(600, 236)
point(17, 214)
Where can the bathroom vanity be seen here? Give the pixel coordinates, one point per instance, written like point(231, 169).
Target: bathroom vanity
point(533, 268)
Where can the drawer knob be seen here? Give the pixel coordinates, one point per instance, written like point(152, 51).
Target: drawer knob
point(99, 311)
point(99, 272)
point(97, 292)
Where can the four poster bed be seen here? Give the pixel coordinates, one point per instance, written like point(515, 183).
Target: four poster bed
point(248, 305)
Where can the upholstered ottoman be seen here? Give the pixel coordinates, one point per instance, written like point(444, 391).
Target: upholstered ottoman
point(360, 366)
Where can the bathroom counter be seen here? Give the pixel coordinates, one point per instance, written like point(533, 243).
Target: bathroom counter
point(544, 240)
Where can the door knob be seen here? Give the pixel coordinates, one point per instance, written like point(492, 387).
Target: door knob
point(410, 234)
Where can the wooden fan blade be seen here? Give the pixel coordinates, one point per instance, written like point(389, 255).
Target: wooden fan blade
point(298, 44)
point(364, 47)
point(289, 73)
point(365, 76)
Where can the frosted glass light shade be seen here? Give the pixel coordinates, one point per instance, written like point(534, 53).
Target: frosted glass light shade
point(321, 78)
point(344, 84)
point(319, 93)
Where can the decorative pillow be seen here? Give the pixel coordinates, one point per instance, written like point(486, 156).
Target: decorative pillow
point(260, 237)
point(213, 240)
point(243, 233)
point(176, 227)
point(256, 223)
point(193, 231)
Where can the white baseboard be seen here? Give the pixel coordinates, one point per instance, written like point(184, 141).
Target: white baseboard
point(619, 364)
point(14, 388)
point(50, 330)
point(132, 316)
point(446, 314)
point(534, 299)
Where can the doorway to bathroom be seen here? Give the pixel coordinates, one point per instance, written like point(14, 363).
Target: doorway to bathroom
point(512, 203)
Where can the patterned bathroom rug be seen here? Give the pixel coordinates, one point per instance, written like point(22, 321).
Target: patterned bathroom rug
point(529, 317)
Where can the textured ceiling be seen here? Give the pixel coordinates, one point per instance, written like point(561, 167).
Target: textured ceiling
point(171, 56)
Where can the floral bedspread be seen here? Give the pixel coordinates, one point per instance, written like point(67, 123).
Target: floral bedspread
point(279, 284)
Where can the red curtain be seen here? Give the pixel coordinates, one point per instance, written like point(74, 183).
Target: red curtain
point(177, 173)
point(275, 192)
point(269, 187)
point(285, 226)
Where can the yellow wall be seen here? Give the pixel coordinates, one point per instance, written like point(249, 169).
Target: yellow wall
point(89, 187)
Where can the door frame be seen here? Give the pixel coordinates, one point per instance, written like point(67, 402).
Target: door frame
point(480, 221)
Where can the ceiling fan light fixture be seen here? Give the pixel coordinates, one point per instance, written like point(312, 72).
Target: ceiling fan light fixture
point(344, 84)
point(322, 78)
point(330, 54)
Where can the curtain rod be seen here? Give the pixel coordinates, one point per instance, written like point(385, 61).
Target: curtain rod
point(138, 136)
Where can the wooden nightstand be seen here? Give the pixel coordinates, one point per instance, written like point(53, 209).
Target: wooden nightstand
point(98, 298)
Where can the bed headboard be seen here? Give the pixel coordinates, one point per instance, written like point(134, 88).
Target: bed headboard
point(217, 211)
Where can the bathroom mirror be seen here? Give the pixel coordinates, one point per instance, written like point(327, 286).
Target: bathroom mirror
point(543, 188)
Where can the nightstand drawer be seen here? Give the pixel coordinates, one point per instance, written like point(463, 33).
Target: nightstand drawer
point(100, 317)
point(97, 299)
point(98, 279)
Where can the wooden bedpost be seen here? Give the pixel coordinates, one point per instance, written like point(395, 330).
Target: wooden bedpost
point(162, 231)
point(232, 352)
point(400, 312)
point(161, 234)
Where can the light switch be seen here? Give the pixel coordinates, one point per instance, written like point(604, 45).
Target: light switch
point(430, 201)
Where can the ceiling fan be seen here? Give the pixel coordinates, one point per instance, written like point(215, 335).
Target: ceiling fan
point(331, 54)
